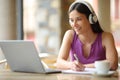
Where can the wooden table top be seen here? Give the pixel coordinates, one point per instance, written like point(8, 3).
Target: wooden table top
point(9, 75)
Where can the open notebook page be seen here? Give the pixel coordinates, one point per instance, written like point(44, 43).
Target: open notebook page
point(86, 71)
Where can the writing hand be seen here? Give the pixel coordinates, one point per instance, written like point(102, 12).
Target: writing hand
point(77, 66)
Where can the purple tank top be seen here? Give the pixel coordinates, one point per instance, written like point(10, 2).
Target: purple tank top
point(97, 52)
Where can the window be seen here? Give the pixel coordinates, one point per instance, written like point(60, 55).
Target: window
point(42, 24)
point(115, 22)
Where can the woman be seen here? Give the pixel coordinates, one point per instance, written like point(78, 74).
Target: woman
point(86, 40)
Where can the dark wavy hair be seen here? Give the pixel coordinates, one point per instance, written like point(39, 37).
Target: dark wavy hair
point(82, 8)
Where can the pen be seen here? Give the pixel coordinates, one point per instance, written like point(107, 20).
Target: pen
point(75, 56)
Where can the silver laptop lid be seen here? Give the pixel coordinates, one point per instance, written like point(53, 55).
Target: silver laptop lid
point(22, 56)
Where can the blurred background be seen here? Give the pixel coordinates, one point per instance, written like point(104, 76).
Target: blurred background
point(45, 21)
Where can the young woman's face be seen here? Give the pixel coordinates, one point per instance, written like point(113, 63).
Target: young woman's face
point(78, 22)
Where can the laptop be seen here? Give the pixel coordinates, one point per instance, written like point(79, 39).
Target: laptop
point(22, 56)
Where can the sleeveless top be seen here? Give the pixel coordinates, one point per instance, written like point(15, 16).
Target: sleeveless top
point(97, 52)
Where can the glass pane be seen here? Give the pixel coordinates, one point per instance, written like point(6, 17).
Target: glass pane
point(42, 24)
point(115, 22)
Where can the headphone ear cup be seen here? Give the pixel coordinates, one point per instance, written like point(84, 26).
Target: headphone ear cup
point(92, 19)
point(95, 18)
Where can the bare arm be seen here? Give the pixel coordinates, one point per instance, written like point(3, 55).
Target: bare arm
point(91, 65)
point(62, 60)
point(64, 51)
point(111, 52)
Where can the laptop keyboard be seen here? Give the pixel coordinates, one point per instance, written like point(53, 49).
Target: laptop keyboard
point(52, 70)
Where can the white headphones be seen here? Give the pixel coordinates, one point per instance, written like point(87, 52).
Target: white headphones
point(92, 17)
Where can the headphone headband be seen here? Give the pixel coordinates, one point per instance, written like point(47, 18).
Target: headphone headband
point(83, 2)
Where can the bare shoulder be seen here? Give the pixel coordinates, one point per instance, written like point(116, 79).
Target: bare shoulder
point(107, 38)
point(69, 34)
point(107, 35)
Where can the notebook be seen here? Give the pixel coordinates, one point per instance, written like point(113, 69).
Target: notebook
point(22, 56)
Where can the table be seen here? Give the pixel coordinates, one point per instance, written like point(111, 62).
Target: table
point(9, 75)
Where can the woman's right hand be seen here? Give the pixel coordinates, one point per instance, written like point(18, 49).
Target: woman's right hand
point(76, 66)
